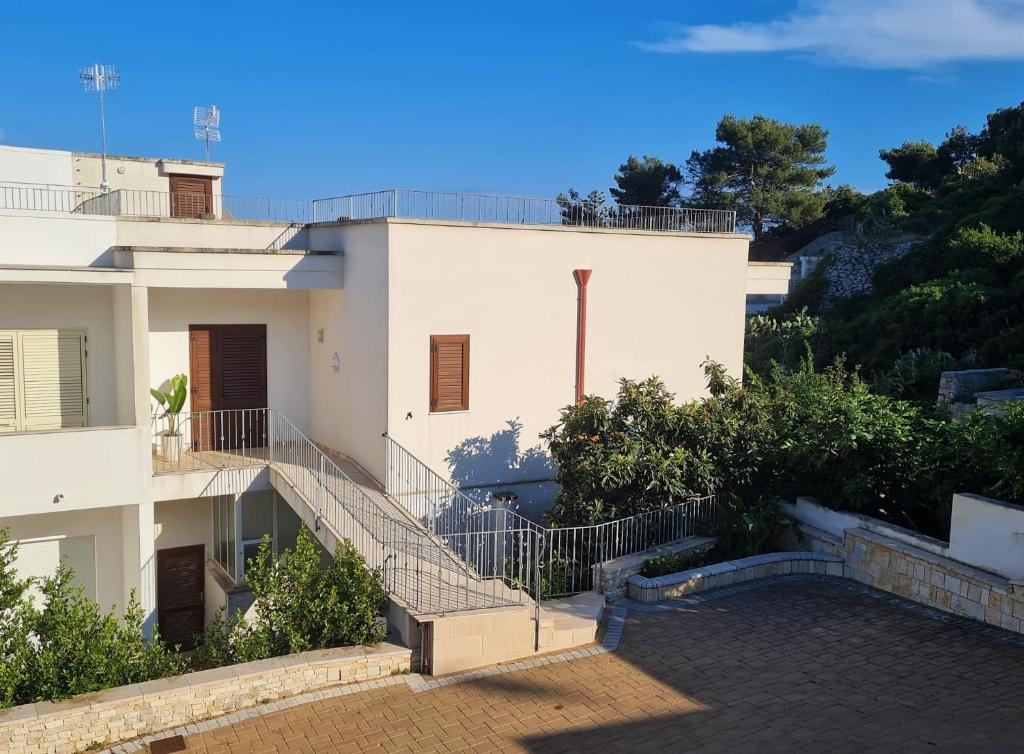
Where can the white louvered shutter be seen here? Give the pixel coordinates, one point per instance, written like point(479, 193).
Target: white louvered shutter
point(53, 390)
point(8, 382)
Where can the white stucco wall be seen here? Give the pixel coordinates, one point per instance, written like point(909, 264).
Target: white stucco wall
point(285, 313)
point(988, 534)
point(55, 238)
point(104, 524)
point(40, 166)
point(350, 405)
point(138, 231)
point(138, 173)
point(179, 523)
point(659, 304)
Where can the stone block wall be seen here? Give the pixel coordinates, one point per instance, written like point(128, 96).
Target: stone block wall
point(933, 580)
point(696, 580)
point(119, 714)
point(612, 577)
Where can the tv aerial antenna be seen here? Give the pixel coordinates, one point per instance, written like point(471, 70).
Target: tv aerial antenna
point(101, 79)
point(206, 125)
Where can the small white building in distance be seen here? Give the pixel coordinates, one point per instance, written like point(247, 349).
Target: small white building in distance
point(378, 366)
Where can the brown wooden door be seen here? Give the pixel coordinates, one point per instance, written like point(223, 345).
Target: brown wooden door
point(179, 594)
point(191, 196)
point(201, 385)
point(228, 365)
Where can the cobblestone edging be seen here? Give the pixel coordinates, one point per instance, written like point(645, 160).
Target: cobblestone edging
point(126, 712)
point(704, 578)
point(416, 682)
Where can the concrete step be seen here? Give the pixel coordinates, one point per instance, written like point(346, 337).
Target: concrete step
point(571, 621)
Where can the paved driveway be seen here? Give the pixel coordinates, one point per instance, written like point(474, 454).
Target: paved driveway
point(786, 666)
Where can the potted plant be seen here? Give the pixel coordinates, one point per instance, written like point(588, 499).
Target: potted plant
point(171, 402)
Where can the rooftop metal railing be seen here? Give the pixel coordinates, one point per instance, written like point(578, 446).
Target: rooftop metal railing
point(517, 210)
point(378, 205)
point(144, 203)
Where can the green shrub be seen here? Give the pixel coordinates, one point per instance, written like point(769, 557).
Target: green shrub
point(300, 605)
point(778, 339)
point(915, 375)
point(82, 649)
point(677, 562)
point(67, 645)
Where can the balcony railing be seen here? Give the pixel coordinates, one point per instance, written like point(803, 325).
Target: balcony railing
point(517, 210)
point(378, 205)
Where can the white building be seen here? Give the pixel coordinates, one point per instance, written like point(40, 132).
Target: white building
point(449, 323)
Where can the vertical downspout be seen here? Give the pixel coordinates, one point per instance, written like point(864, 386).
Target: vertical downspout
point(582, 278)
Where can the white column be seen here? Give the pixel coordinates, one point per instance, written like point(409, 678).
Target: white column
point(139, 557)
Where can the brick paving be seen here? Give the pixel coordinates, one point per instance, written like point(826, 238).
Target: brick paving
point(792, 665)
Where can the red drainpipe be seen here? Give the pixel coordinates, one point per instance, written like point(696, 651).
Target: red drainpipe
point(582, 278)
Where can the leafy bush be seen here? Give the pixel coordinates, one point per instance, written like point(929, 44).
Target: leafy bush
point(823, 434)
point(300, 605)
point(915, 375)
point(678, 561)
point(67, 645)
point(772, 339)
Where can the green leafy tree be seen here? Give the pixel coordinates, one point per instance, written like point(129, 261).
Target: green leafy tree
point(591, 210)
point(1003, 136)
point(647, 181)
point(767, 171)
point(914, 162)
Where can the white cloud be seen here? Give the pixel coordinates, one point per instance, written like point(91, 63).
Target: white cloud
point(908, 34)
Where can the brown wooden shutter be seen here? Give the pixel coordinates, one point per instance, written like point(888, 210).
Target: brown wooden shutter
point(191, 195)
point(449, 373)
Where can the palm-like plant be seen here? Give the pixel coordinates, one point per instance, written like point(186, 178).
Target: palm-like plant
point(172, 401)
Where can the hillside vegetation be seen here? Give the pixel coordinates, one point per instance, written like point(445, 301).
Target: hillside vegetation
point(957, 299)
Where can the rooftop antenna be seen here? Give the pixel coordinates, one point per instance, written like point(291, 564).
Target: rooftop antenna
point(101, 78)
point(206, 125)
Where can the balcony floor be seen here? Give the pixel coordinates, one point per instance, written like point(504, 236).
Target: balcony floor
point(210, 460)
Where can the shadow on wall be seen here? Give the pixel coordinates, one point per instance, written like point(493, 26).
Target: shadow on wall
point(483, 466)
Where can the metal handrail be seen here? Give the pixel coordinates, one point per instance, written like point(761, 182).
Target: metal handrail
point(415, 566)
point(568, 554)
point(518, 210)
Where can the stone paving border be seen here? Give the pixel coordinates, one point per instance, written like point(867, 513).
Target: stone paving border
point(416, 682)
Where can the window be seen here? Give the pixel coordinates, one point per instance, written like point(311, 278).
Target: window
point(449, 373)
point(240, 525)
point(42, 379)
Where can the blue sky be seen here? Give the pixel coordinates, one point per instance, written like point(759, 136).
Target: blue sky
point(520, 98)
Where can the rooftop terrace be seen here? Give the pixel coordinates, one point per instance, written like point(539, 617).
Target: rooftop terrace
point(378, 205)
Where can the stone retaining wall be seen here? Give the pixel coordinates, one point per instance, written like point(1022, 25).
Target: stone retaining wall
point(127, 712)
point(612, 577)
point(941, 583)
point(695, 580)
